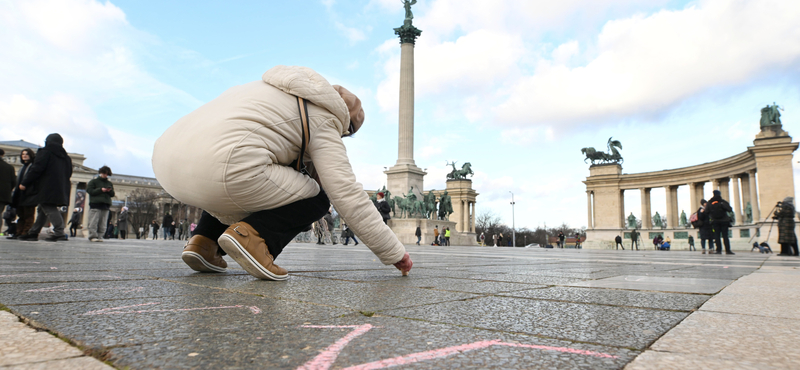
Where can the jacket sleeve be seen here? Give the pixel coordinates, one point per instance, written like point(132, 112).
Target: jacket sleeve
point(328, 153)
point(37, 168)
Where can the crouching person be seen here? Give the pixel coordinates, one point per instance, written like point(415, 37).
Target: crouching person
point(242, 158)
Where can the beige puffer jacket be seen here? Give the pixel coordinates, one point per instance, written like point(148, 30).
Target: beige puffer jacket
point(230, 157)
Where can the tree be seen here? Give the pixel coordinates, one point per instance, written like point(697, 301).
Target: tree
point(488, 223)
point(142, 209)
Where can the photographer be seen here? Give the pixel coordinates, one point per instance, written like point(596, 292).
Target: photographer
point(786, 237)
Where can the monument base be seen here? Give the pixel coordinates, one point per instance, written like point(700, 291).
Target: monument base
point(405, 228)
point(741, 237)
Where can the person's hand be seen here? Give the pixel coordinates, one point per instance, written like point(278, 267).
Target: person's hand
point(404, 265)
point(21, 187)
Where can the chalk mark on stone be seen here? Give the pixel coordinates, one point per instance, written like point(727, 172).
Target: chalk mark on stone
point(114, 310)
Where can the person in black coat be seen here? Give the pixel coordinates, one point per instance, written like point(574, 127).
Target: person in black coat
point(718, 209)
point(383, 208)
point(46, 185)
point(8, 179)
point(25, 214)
point(166, 225)
point(706, 232)
point(618, 240)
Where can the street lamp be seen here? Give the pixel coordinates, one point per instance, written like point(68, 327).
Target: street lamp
point(513, 227)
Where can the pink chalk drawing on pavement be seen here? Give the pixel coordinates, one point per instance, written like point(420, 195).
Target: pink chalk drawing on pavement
point(118, 310)
point(327, 357)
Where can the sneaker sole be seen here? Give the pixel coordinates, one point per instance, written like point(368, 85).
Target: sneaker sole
point(244, 259)
point(198, 263)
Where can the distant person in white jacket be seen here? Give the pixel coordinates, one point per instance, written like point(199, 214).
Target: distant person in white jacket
point(238, 157)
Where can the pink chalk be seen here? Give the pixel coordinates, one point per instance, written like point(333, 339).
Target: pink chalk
point(326, 358)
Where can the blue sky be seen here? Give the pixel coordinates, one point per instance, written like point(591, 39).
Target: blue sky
point(517, 88)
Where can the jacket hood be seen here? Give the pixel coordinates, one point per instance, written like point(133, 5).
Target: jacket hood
point(309, 85)
point(55, 144)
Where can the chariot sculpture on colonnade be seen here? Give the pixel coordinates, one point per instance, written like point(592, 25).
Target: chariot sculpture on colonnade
point(613, 155)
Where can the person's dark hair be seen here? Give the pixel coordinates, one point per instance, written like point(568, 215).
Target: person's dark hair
point(105, 169)
point(2, 152)
point(703, 201)
point(31, 154)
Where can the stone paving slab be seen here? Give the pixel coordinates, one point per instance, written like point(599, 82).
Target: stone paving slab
point(708, 337)
point(463, 285)
point(23, 347)
point(45, 293)
point(614, 326)
point(664, 284)
point(379, 339)
point(667, 301)
point(123, 322)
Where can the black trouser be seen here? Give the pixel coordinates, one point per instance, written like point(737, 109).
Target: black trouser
point(276, 226)
point(634, 242)
point(73, 230)
point(123, 233)
point(710, 243)
point(721, 230)
point(619, 244)
point(48, 212)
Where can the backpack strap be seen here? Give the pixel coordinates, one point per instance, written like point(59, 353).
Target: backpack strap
point(302, 107)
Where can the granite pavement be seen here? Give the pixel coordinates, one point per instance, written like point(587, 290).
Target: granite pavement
point(133, 304)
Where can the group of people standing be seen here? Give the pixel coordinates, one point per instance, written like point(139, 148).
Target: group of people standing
point(39, 192)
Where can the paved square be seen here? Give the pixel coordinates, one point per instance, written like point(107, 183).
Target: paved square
point(135, 304)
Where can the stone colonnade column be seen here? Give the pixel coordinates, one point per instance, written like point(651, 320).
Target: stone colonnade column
point(745, 192)
point(474, 216)
point(693, 201)
point(736, 204)
point(672, 206)
point(590, 224)
point(647, 222)
point(621, 208)
point(464, 216)
point(724, 189)
point(754, 196)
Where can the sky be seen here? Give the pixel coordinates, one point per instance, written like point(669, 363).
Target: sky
point(516, 88)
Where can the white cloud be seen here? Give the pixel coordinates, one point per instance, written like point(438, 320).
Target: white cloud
point(646, 65)
point(69, 62)
point(353, 35)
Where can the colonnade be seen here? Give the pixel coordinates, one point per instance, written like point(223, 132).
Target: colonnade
point(739, 190)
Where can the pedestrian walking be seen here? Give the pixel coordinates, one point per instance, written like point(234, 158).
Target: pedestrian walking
point(8, 180)
point(786, 237)
point(46, 186)
point(718, 209)
point(483, 240)
point(122, 223)
point(25, 214)
point(577, 241)
point(348, 233)
point(154, 226)
point(75, 222)
point(436, 235)
point(166, 225)
point(260, 195)
point(691, 244)
point(618, 240)
point(500, 239)
point(561, 239)
point(100, 191)
point(494, 240)
point(418, 234)
point(447, 236)
point(704, 229)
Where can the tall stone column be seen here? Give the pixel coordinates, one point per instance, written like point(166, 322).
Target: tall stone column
point(590, 224)
point(474, 216)
point(73, 189)
point(672, 206)
point(745, 194)
point(724, 189)
point(754, 196)
point(647, 220)
point(405, 173)
point(694, 203)
point(736, 204)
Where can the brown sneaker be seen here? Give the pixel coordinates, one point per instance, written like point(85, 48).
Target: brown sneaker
point(246, 247)
point(202, 254)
